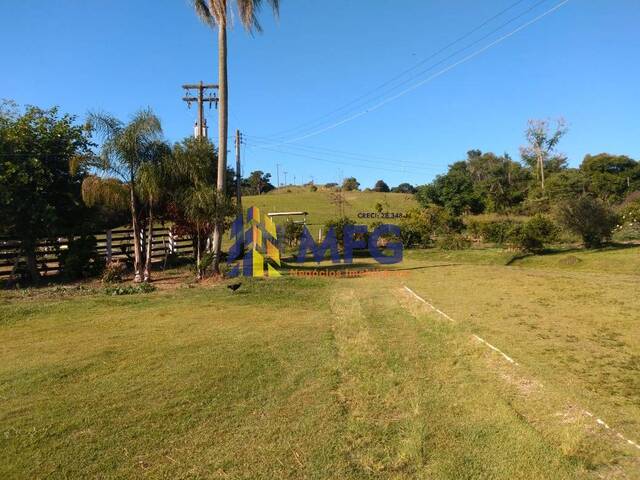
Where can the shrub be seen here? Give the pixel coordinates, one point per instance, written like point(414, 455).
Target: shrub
point(113, 272)
point(492, 231)
point(293, 232)
point(338, 225)
point(81, 259)
point(589, 218)
point(533, 235)
point(313, 188)
point(454, 241)
point(421, 225)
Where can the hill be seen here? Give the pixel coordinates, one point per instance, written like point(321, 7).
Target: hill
point(321, 205)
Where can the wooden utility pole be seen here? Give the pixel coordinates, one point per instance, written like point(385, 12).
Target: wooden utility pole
point(202, 97)
point(238, 172)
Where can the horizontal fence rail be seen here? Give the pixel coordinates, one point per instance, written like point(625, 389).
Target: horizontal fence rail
point(112, 245)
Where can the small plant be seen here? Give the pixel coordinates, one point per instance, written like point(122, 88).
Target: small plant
point(130, 289)
point(113, 272)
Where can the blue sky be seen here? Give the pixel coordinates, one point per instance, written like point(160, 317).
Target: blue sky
point(579, 62)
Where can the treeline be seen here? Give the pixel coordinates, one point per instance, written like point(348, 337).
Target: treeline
point(59, 177)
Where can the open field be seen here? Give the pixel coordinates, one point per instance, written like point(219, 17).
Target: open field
point(321, 209)
point(318, 378)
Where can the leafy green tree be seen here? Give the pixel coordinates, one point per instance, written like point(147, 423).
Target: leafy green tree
point(215, 13)
point(610, 177)
point(39, 195)
point(194, 203)
point(258, 183)
point(404, 188)
point(455, 191)
point(569, 183)
point(350, 184)
point(381, 186)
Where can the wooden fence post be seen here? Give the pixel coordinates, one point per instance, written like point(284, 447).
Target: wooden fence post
point(109, 246)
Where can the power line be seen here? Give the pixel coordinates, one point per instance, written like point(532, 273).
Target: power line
point(428, 79)
point(340, 153)
point(404, 72)
point(320, 159)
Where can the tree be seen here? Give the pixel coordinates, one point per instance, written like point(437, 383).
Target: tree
point(540, 153)
point(380, 186)
point(126, 154)
point(404, 188)
point(215, 13)
point(350, 184)
point(258, 183)
point(455, 191)
point(588, 217)
point(569, 183)
point(194, 202)
point(39, 195)
point(610, 177)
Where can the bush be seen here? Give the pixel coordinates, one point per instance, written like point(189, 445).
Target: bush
point(81, 259)
point(338, 225)
point(313, 188)
point(113, 272)
point(492, 231)
point(533, 235)
point(421, 225)
point(454, 241)
point(589, 218)
point(293, 232)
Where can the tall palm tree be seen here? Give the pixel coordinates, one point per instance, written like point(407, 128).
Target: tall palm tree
point(125, 151)
point(215, 13)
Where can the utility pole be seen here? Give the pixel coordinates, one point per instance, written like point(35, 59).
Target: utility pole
point(278, 174)
point(285, 179)
point(238, 174)
point(203, 96)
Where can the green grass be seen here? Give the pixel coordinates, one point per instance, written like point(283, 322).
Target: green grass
point(321, 209)
point(352, 378)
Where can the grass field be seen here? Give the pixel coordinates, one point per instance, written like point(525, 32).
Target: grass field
point(321, 208)
point(318, 378)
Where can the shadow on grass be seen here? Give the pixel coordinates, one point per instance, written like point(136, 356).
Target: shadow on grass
point(550, 252)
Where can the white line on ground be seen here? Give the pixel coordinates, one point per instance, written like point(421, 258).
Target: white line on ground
point(598, 420)
point(618, 434)
point(427, 303)
point(495, 349)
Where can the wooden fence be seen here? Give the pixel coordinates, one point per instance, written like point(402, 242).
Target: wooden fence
point(116, 244)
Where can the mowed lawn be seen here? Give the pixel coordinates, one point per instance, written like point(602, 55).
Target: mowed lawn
point(342, 378)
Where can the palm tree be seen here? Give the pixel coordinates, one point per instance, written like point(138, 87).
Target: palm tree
point(152, 180)
point(215, 13)
point(127, 154)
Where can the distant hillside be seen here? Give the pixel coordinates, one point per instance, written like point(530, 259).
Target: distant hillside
point(320, 207)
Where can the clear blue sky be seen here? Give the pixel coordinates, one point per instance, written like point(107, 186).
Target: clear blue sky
point(580, 62)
